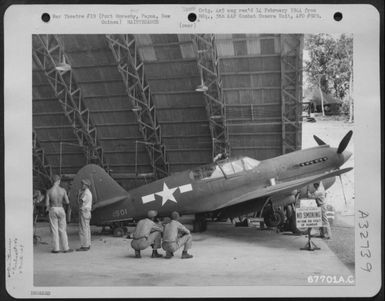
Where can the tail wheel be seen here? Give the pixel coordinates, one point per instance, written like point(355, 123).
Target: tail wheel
point(274, 219)
point(118, 232)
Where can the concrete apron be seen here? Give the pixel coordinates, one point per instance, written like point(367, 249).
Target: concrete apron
point(223, 255)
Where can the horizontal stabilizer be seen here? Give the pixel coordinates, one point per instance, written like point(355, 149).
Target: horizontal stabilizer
point(283, 187)
point(105, 190)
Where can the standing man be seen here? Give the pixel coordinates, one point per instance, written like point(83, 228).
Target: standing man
point(319, 195)
point(85, 206)
point(55, 197)
point(147, 233)
point(175, 236)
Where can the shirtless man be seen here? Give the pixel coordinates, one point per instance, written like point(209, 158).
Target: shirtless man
point(55, 197)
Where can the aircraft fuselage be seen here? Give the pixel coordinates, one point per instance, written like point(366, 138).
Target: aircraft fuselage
point(210, 187)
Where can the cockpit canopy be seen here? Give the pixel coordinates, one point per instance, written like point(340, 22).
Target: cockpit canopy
point(224, 168)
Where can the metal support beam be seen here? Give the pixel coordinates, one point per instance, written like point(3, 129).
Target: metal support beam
point(291, 91)
point(40, 164)
point(48, 56)
point(131, 68)
point(211, 86)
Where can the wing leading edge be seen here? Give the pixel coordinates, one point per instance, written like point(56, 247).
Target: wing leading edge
point(283, 187)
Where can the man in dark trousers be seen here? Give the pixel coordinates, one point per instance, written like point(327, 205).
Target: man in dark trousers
point(175, 236)
point(147, 233)
point(319, 195)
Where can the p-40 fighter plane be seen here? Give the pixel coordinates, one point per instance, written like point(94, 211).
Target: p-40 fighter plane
point(227, 188)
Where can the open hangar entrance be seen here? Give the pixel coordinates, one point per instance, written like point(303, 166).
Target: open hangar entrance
point(146, 106)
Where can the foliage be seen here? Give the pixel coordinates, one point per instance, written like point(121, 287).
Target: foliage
point(330, 65)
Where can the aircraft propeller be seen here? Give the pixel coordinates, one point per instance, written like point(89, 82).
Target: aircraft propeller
point(318, 140)
point(344, 142)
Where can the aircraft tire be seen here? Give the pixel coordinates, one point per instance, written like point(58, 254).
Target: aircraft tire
point(274, 219)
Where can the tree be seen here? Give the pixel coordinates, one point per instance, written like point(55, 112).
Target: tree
point(330, 66)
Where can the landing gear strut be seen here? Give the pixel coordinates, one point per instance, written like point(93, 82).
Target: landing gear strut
point(199, 224)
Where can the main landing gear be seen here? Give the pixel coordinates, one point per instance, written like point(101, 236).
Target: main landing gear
point(273, 216)
point(200, 223)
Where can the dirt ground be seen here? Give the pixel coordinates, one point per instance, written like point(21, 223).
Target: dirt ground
point(224, 255)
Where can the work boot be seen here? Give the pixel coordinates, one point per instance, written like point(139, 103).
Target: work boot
point(155, 254)
point(169, 255)
point(83, 249)
point(68, 251)
point(186, 255)
point(137, 254)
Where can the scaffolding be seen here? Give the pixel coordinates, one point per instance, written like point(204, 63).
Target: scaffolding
point(211, 86)
point(131, 68)
point(50, 57)
point(291, 91)
point(41, 166)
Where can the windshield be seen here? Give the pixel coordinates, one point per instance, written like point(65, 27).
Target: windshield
point(250, 163)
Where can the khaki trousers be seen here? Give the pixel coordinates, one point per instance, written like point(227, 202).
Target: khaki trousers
point(84, 227)
point(325, 229)
point(185, 240)
point(58, 226)
point(143, 243)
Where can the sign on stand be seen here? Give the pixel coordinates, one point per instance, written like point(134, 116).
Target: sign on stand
point(307, 218)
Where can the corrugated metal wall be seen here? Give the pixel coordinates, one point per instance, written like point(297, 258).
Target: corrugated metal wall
point(251, 72)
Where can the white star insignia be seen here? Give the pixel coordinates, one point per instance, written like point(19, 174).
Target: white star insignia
point(167, 194)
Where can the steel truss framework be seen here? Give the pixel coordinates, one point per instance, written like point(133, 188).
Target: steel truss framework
point(208, 65)
point(291, 91)
point(40, 163)
point(131, 68)
point(48, 57)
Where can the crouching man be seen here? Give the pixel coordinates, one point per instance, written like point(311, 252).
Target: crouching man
point(146, 234)
point(175, 236)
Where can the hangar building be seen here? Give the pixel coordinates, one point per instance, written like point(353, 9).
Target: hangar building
point(146, 106)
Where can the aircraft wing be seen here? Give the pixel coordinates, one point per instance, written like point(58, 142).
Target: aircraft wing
point(283, 187)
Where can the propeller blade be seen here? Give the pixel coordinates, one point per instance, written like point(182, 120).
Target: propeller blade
point(343, 191)
point(344, 142)
point(318, 140)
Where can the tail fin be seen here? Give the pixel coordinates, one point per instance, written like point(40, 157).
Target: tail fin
point(104, 189)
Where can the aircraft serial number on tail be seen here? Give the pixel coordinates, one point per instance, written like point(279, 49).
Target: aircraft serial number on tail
point(120, 212)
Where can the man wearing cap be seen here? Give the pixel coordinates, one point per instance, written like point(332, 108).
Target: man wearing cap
point(85, 206)
point(175, 236)
point(55, 197)
point(147, 233)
